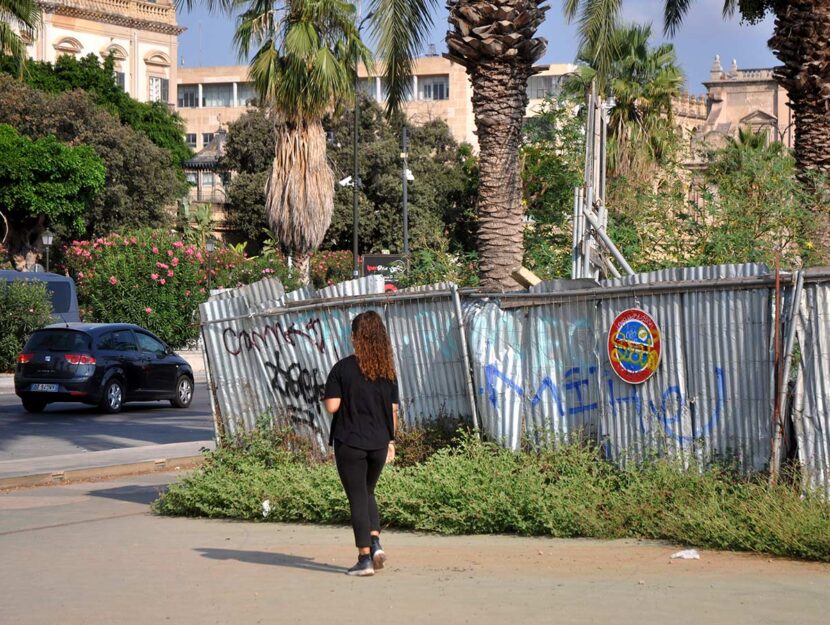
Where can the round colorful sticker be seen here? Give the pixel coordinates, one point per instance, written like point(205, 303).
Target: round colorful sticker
point(634, 346)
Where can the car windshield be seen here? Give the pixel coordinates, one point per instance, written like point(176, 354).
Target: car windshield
point(58, 340)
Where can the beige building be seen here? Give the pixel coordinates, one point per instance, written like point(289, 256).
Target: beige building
point(141, 36)
point(212, 97)
point(735, 99)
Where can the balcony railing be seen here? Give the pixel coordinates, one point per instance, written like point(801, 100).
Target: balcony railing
point(162, 11)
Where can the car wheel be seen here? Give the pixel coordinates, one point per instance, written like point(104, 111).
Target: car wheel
point(113, 398)
point(184, 393)
point(34, 405)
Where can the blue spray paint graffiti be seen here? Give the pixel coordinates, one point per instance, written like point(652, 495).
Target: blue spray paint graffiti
point(577, 383)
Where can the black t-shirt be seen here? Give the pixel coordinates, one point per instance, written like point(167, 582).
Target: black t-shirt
point(364, 419)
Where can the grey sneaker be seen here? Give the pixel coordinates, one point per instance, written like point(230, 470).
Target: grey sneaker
point(363, 567)
point(378, 554)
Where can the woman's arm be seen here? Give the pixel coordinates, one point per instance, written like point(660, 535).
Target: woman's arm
point(332, 404)
point(390, 453)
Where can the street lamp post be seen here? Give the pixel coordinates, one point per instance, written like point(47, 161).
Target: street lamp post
point(47, 239)
point(356, 176)
point(210, 246)
point(405, 175)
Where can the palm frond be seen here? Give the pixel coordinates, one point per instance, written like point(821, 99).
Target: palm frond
point(598, 22)
point(401, 28)
point(674, 12)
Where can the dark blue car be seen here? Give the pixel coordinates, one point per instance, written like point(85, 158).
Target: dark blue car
point(103, 364)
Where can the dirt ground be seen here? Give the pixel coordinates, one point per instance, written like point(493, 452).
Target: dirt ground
point(88, 554)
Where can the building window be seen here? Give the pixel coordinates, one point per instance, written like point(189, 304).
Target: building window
point(121, 80)
point(188, 96)
point(190, 140)
point(159, 89)
point(207, 137)
point(540, 87)
point(433, 87)
point(246, 94)
point(217, 95)
point(190, 176)
point(207, 179)
point(366, 86)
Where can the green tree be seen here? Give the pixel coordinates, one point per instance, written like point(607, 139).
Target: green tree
point(439, 202)
point(249, 153)
point(643, 80)
point(141, 179)
point(45, 183)
point(154, 119)
point(496, 43)
point(755, 206)
point(552, 162)
point(16, 17)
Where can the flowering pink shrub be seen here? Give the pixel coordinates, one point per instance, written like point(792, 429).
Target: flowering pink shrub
point(121, 279)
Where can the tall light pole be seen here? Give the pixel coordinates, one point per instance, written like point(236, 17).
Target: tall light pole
point(210, 246)
point(356, 176)
point(47, 239)
point(405, 180)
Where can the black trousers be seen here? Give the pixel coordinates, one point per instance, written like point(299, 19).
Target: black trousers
point(359, 471)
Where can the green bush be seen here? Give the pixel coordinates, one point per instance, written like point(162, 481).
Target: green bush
point(329, 268)
point(24, 307)
point(156, 280)
point(471, 487)
point(428, 266)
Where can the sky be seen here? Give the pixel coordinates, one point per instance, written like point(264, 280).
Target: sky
point(208, 40)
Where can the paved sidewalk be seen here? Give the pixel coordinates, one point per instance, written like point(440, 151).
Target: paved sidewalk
point(100, 464)
point(92, 554)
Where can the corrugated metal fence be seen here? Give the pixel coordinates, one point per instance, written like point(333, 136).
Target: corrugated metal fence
point(535, 363)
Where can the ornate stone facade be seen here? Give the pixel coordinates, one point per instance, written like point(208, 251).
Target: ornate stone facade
point(142, 37)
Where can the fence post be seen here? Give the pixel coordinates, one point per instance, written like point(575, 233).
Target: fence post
point(468, 370)
point(218, 423)
point(780, 391)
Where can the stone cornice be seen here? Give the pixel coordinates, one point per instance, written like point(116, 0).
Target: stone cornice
point(100, 14)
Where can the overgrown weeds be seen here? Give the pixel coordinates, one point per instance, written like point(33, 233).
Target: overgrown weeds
point(471, 487)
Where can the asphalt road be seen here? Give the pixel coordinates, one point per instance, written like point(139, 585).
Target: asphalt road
point(76, 428)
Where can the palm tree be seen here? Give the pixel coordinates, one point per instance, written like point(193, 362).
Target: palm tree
point(495, 41)
point(303, 62)
point(643, 81)
point(799, 41)
point(305, 55)
point(17, 17)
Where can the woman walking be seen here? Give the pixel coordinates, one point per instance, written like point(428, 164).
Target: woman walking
point(362, 394)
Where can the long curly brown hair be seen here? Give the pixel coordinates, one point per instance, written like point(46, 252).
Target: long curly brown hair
point(372, 347)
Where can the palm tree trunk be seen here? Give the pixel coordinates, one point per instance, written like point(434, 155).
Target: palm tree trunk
point(800, 43)
point(299, 195)
point(499, 103)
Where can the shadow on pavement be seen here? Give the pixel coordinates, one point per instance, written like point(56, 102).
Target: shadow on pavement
point(272, 559)
point(132, 494)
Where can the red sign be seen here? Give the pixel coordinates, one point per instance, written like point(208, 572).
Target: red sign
point(634, 346)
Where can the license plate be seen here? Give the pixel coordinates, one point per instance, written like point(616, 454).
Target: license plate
point(45, 388)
